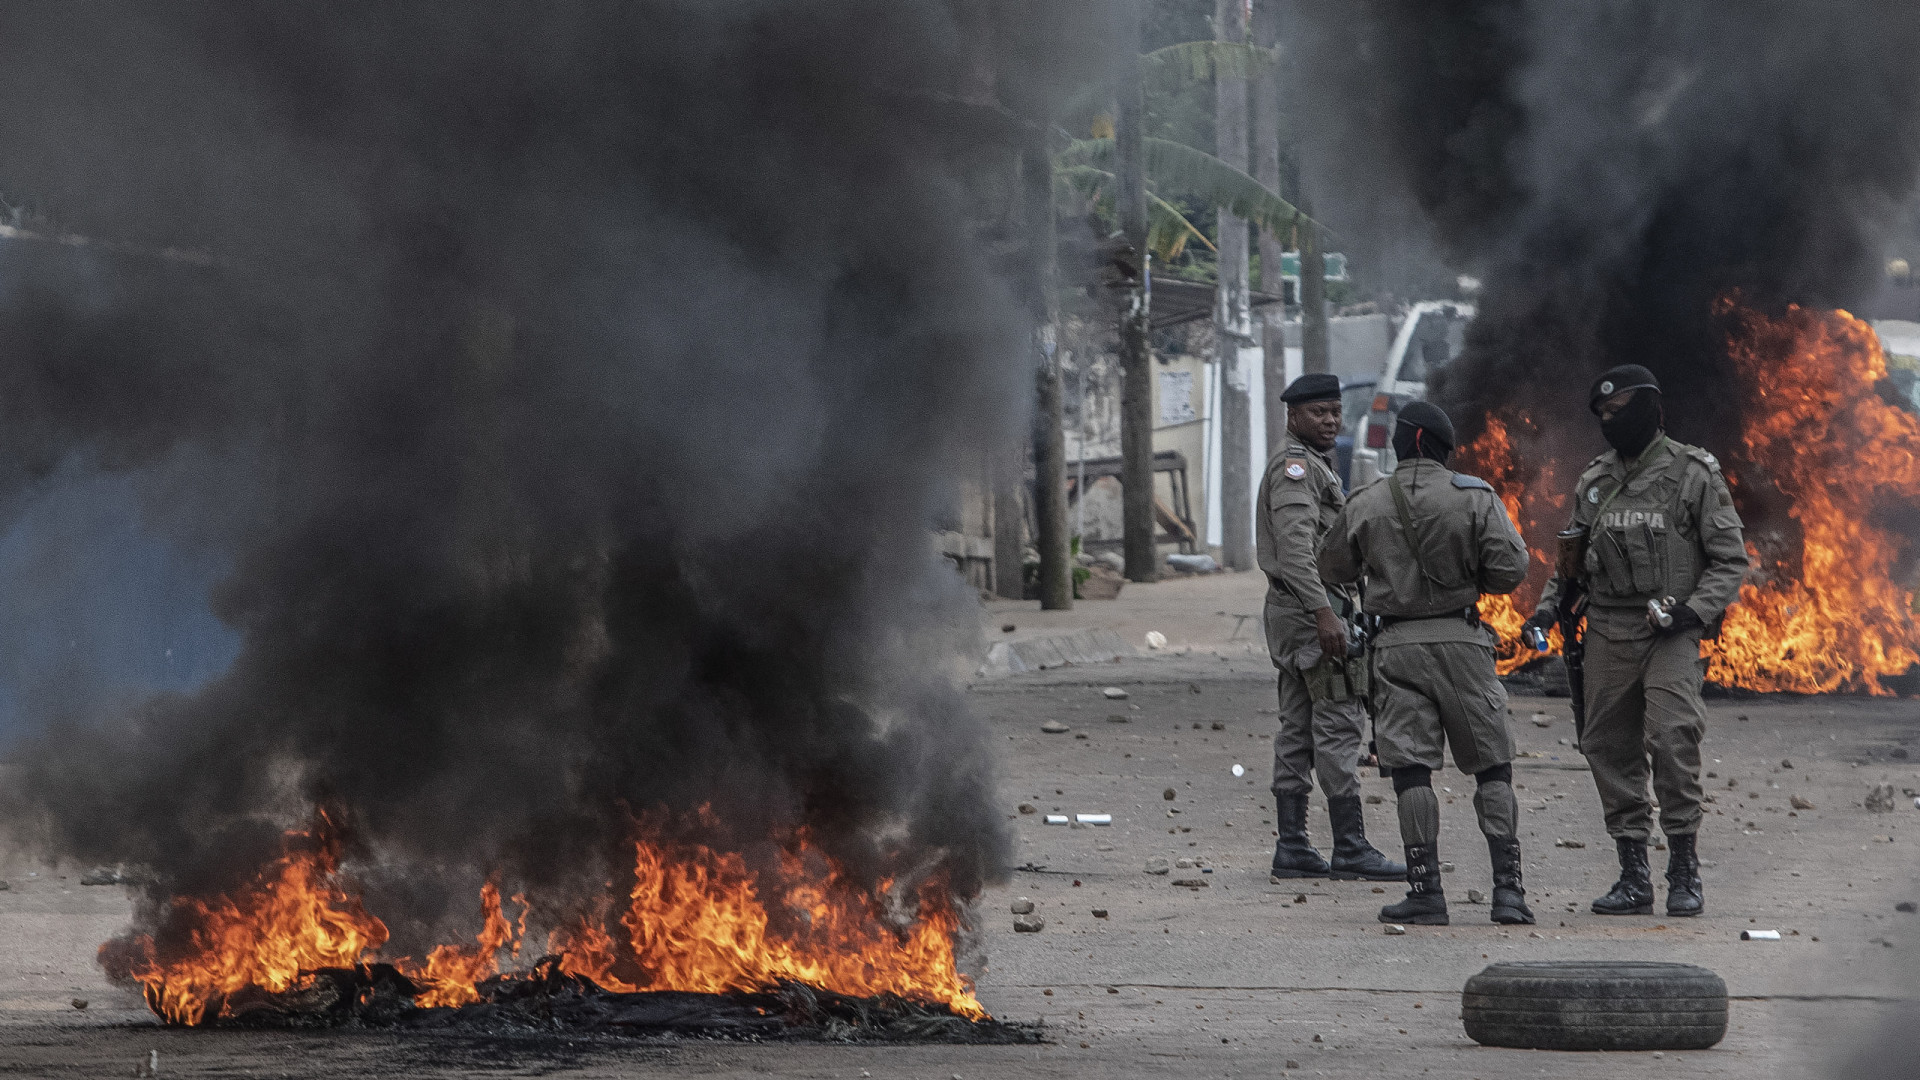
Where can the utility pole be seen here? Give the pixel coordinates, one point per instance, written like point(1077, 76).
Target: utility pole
point(1008, 471)
point(1314, 354)
point(1232, 312)
point(1049, 430)
point(1136, 351)
point(1266, 169)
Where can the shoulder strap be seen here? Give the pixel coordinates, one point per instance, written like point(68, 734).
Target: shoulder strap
point(1406, 525)
point(1646, 458)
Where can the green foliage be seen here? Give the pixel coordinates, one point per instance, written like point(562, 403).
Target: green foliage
point(1173, 167)
point(1168, 230)
point(1204, 61)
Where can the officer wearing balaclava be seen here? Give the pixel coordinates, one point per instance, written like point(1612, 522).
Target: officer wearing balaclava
point(1664, 558)
point(1430, 543)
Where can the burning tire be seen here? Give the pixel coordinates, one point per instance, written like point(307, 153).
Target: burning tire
point(1595, 1005)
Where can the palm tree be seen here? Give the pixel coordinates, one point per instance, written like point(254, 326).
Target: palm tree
point(1139, 172)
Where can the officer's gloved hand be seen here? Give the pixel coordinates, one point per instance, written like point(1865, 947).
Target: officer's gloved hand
point(1542, 621)
point(1684, 619)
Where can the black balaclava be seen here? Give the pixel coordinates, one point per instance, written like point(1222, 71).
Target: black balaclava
point(1636, 425)
point(1423, 431)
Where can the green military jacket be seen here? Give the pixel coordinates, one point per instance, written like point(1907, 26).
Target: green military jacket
point(1671, 530)
point(1467, 546)
point(1299, 498)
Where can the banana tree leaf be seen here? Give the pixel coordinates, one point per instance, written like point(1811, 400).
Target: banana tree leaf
point(1178, 169)
point(1204, 61)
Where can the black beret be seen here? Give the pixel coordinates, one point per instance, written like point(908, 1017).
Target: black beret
point(1314, 386)
point(1429, 418)
point(1615, 379)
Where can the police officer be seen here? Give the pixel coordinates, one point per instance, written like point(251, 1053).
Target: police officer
point(1323, 716)
point(1430, 543)
point(1664, 557)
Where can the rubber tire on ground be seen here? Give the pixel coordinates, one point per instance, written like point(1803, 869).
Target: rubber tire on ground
point(1595, 1005)
point(1551, 671)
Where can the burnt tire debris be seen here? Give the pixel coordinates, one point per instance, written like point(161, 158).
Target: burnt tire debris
point(549, 1000)
point(1595, 1005)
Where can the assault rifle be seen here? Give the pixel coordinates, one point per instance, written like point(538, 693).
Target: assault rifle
point(1573, 649)
point(1571, 568)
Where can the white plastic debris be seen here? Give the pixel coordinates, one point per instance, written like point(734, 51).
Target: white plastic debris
point(1239, 769)
point(1057, 819)
point(1094, 819)
point(1114, 693)
point(1395, 929)
point(1156, 640)
point(1759, 935)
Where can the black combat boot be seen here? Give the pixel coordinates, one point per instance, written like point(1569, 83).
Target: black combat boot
point(1293, 855)
point(1633, 893)
point(1509, 898)
point(1426, 904)
point(1353, 858)
point(1684, 897)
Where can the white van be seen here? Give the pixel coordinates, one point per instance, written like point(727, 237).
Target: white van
point(1431, 335)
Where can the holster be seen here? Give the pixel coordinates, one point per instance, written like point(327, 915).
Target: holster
point(1338, 679)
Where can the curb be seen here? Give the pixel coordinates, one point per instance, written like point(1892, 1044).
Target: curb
point(1059, 650)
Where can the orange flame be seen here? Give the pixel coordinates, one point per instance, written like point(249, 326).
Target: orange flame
point(696, 919)
point(451, 972)
point(1831, 614)
point(1830, 617)
point(699, 920)
point(1493, 457)
point(293, 918)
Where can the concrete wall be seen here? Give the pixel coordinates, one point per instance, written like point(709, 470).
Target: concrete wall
point(1180, 409)
point(1357, 344)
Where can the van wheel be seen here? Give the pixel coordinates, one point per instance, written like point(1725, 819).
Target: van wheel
point(1595, 1005)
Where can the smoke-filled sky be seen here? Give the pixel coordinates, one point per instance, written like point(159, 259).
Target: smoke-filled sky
point(1609, 168)
point(554, 430)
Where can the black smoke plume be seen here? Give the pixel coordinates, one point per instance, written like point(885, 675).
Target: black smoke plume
point(568, 389)
point(1609, 169)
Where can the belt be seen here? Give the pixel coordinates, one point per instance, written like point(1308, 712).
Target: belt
point(1342, 604)
point(1470, 615)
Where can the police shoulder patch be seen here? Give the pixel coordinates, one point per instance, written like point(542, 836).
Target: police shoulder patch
point(1469, 483)
point(1295, 469)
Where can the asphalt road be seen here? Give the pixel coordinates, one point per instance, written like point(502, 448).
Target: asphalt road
point(1241, 976)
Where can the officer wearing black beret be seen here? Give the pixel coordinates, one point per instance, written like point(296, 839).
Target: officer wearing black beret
point(1430, 543)
point(1323, 717)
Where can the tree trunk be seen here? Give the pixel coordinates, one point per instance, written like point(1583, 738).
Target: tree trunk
point(1314, 354)
point(1136, 351)
point(1232, 318)
point(1266, 169)
point(1049, 430)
